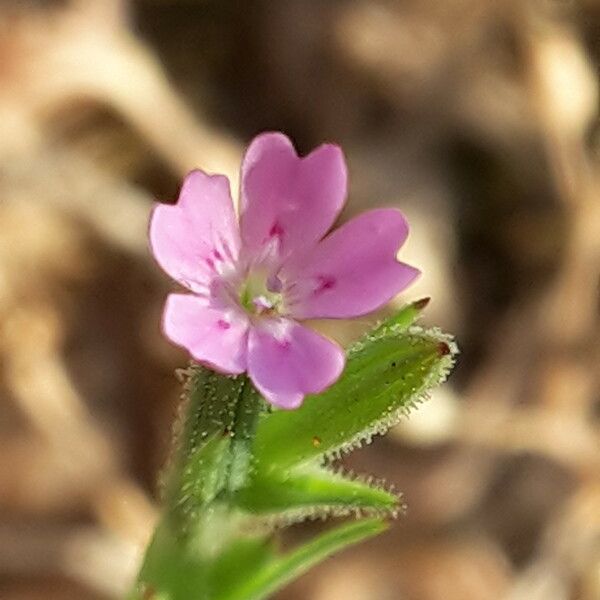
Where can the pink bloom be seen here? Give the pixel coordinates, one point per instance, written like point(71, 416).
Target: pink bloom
point(251, 284)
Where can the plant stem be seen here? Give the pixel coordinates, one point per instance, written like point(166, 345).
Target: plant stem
point(211, 461)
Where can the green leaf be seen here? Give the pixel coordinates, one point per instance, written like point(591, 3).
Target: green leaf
point(313, 492)
point(239, 564)
point(276, 574)
point(386, 374)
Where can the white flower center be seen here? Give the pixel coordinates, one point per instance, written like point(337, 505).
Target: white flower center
point(261, 294)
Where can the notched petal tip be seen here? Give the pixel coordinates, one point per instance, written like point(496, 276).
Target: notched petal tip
point(408, 275)
point(329, 151)
point(263, 143)
point(297, 197)
point(267, 140)
point(394, 220)
point(183, 236)
point(198, 185)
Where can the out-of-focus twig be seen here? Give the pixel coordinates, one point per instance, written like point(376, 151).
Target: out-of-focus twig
point(85, 50)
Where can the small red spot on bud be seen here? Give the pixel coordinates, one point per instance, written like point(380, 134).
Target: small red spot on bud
point(443, 349)
point(224, 325)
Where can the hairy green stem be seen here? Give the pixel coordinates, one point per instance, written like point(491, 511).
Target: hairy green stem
point(211, 461)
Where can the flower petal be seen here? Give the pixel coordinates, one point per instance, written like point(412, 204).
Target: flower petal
point(198, 236)
point(214, 337)
point(288, 203)
point(352, 271)
point(287, 361)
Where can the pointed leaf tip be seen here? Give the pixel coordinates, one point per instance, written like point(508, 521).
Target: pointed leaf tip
point(422, 303)
point(296, 495)
point(403, 318)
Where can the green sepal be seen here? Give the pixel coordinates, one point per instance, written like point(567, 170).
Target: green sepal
point(212, 456)
point(313, 492)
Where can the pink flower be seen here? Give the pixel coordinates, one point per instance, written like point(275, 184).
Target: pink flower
point(251, 284)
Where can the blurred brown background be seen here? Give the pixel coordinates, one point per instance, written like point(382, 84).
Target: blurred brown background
point(477, 117)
